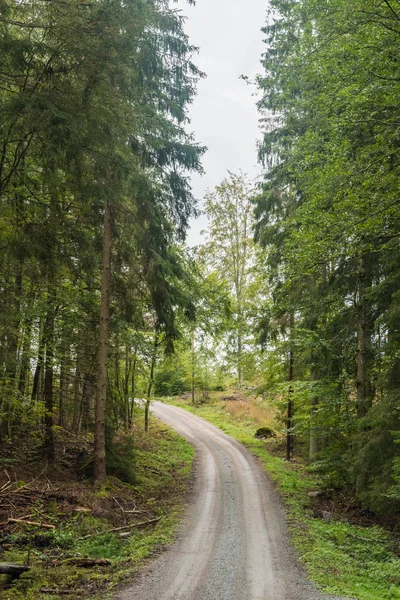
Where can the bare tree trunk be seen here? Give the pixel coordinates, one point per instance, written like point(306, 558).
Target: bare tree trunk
point(364, 386)
point(48, 334)
point(64, 384)
point(25, 359)
point(314, 437)
point(133, 391)
point(78, 387)
point(151, 381)
point(39, 366)
point(101, 385)
point(193, 367)
point(289, 423)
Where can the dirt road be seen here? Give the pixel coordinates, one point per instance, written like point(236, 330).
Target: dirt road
point(233, 544)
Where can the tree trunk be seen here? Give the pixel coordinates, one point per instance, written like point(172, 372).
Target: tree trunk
point(64, 384)
point(193, 367)
point(151, 381)
point(239, 353)
point(23, 380)
point(133, 391)
point(364, 329)
point(48, 335)
point(289, 422)
point(314, 437)
point(36, 387)
point(78, 388)
point(101, 385)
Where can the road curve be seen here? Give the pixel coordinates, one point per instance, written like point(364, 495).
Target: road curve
point(233, 544)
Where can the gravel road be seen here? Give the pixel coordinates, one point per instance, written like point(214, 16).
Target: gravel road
point(233, 543)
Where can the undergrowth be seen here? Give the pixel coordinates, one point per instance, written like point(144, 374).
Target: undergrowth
point(163, 464)
point(342, 558)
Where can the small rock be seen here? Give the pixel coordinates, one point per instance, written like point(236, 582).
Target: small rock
point(327, 516)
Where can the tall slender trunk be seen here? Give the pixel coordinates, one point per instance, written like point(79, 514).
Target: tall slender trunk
point(23, 380)
point(48, 335)
point(78, 387)
point(36, 387)
point(364, 332)
point(290, 407)
point(314, 437)
point(64, 382)
point(193, 366)
point(151, 381)
point(133, 390)
point(364, 360)
point(101, 384)
point(289, 422)
point(239, 361)
point(128, 367)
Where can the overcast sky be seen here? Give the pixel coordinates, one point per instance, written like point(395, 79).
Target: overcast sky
point(224, 116)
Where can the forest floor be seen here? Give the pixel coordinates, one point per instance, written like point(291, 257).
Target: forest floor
point(79, 541)
point(344, 551)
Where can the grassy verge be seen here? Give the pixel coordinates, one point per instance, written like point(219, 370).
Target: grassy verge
point(344, 559)
point(163, 465)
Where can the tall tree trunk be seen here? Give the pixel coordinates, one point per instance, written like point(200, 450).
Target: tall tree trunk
point(239, 361)
point(101, 384)
point(128, 367)
point(314, 436)
point(64, 382)
point(193, 366)
point(78, 388)
point(133, 391)
point(364, 332)
point(36, 387)
point(289, 422)
point(23, 380)
point(48, 334)
point(151, 381)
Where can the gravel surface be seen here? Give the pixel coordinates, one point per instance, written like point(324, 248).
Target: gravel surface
point(233, 543)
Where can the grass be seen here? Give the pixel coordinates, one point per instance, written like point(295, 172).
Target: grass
point(343, 559)
point(163, 469)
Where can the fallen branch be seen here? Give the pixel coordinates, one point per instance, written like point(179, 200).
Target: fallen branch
point(45, 525)
point(155, 471)
point(57, 592)
point(133, 511)
point(116, 529)
point(12, 569)
point(90, 562)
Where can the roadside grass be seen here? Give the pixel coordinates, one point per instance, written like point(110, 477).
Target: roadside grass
point(163, 463)
point(255, 412)
point(342, 558)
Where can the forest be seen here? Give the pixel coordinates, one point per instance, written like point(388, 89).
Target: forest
point(293, 300)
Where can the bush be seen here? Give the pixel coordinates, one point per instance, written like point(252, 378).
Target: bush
point(265, 432)
point(120, 457)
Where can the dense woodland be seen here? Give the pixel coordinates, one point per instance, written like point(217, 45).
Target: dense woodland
point(294, 294)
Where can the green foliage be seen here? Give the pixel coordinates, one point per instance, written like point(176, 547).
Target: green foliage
point(171, 378)
point(121, 456)
point(327, 214)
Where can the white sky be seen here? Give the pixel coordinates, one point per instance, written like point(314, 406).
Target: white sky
point(224, 116)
